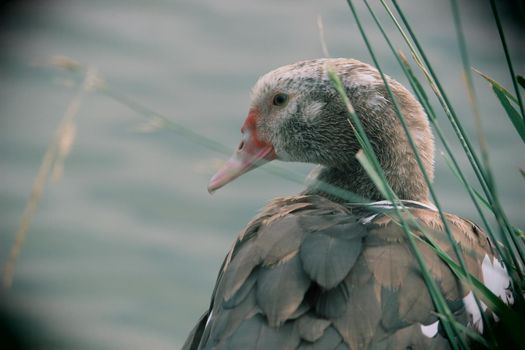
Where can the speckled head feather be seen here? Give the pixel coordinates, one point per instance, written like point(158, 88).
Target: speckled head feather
point(313, 125)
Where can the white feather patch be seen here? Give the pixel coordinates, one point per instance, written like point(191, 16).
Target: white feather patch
point(496, 278)
point(430, 330)
point(312, 110)
point(474, 314)
point(419, 134)
point(376, 101)
point(368, 219)
point(359, 78)
point(209, 319)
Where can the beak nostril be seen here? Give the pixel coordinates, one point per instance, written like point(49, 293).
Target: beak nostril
point(241, 146)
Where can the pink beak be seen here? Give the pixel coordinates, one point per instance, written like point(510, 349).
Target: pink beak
point(250, 154)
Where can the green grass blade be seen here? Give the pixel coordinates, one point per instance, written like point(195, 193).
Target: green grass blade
point(424, 64)
point(465, 59)
point(372, 173)
point(450, 158)
point(512, 113)
point(504, 96)
point(357, 127)
point(480, 199)
point(455, 338)
point(512, 319)
point(521, 81)
point(493, 82)
point(486, 174)
point(485, 180)
point(467, 331)
point(507, 55)
point(421, 95)
point(413, 145)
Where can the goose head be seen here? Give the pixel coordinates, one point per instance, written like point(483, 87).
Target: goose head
point(297, 115)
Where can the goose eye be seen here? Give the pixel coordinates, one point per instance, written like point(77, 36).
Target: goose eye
point(280, 99)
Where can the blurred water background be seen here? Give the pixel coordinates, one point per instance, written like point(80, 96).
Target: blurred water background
point(124, 249)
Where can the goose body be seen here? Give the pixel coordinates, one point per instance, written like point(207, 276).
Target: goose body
point(317, 271)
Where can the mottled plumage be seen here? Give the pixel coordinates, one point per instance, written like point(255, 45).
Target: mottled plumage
point(314, 271)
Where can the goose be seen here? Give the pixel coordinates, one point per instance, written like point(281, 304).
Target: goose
point(317, 271)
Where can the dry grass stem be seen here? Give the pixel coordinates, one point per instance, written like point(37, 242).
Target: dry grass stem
point(320, 26)
point(52, 164)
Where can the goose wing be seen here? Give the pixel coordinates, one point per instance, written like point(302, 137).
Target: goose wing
point(311, 273)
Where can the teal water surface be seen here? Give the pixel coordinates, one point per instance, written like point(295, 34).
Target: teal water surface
point(124, 249)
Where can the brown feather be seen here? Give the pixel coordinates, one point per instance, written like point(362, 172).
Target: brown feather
point(242, 292)
point(327, 256)
point(226, 321)
point(255, 334)
point(311, 327)
point(409, 337)
point(361, 317)
point(239, 269)
point(330, 340)
point(280, 290)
